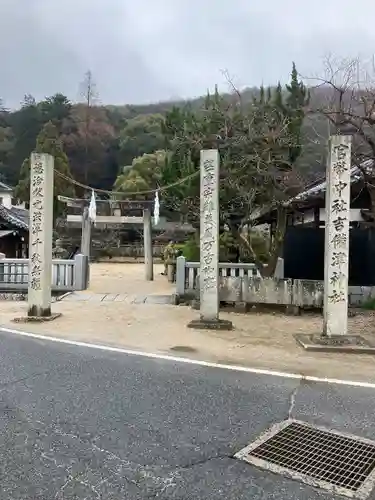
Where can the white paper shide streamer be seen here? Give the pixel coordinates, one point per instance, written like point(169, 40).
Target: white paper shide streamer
point(156, 208)
point(92, 208)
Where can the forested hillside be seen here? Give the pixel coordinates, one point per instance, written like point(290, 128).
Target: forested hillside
point(100, 140)
point(272, 143)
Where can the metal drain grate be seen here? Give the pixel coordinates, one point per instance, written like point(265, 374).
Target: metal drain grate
point(316, 456)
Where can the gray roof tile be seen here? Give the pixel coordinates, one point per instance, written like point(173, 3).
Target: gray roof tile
point(15, 215)
point(5, 187)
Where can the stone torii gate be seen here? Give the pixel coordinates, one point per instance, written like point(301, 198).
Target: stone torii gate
point(130, 206)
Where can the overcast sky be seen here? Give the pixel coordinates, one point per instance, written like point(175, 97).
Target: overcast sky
point(149, 50)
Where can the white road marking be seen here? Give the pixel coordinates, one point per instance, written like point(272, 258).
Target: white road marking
point(177, 359)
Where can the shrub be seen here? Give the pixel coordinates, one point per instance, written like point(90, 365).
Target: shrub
point(190, 250)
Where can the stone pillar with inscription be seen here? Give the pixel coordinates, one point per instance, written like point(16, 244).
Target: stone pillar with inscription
point(209, 244)
point(336, 264)
point(86, 233)
point(147, 243)
point(334, 336)
point(40, 239)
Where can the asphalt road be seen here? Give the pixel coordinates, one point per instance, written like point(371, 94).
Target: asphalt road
point(80, 423)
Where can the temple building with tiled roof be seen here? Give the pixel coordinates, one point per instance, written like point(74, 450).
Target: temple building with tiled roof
point(14, 225)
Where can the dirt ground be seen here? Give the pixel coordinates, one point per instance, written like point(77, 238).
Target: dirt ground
point(127, 278)
point(263, 340)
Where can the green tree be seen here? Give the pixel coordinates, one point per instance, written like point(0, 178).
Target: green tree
point(6, 148)
point(142, 175)
point(49, 142)
point(259, 144)
point(55, 109)
point(26, 124)
point(140, 135)
point(297, 99)
point(6, 145)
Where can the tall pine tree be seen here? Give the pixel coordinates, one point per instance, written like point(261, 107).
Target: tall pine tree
point(295, 103)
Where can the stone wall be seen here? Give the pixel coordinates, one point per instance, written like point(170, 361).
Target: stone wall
point(300, 293)
point(360, 294)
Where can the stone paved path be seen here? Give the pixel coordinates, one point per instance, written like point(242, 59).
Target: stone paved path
point(117, 297)
point(124, 283)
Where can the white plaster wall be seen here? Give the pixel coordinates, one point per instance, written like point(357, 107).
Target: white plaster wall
point(7, 200)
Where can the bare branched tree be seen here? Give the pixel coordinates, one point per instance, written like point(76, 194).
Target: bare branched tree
point(89, 96)
point(262, 177)
point(258, 169)
point(348, 86)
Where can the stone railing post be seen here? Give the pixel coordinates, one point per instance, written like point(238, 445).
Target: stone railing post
point(180, 275)
point(2, 268)
point(81, 272)
point(279, 270)
point(170, 272)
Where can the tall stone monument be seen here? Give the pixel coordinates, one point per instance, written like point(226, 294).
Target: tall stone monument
point(334, 336)
point(336, 264)
point(209, 244)
point(40, 239)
